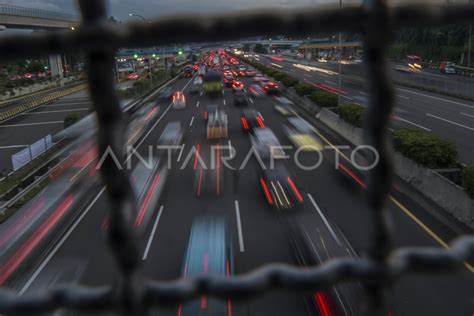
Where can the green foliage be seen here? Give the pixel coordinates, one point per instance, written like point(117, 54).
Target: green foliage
point(352, 113)
point(468, 180)
point(428, 150)
point(279, 75)
point(304, 89)
point(71, 118)
point(323, 99)
point(289, 81)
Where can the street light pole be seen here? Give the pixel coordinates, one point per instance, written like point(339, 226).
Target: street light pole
point(139, 16)
point(469, 49)
point(339, 79)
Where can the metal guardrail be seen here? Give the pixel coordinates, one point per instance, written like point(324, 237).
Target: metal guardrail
point(132, 294)
point(36, 13)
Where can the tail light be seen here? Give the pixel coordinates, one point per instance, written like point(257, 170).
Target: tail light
point(268, 196)
point(245, 124)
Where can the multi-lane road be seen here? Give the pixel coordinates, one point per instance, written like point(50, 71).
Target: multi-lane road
point(334, 201)
point(448, 117)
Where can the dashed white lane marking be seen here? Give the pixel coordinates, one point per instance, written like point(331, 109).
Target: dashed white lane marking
point(13, 146)
point(307, 75)
point(152, 234)
point(363, 93)
point(180, 153)
point(251, 101)
point(197, 103)
point(465, 114)
point(436, 98)
point(200, 94)
point(31, 124)
point(239, 226)
point(192, 120)
point(223, 101)
point(403, 97)
point(324, 219)
point(55, 111)
point(414, 124)
point(452, 122)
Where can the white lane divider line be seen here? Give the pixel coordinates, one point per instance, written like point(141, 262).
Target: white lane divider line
point(363, 93)
point(31, 124)
point(324, 219)
point(414, 124)
point(239, 226)
point(251, 101)
point(180, 152)
point(223, 101)
point(197, 103)
point(465, 114)
point(436, 98)
point(54, 111)
point(403, 97)
point(222, 91)
point(60, 243)
point(192, 120)
point(152, 234)
point(200, 94)
point(13, 146)
point(452, 122)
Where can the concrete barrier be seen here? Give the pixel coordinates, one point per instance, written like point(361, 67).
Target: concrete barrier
point(449, 196)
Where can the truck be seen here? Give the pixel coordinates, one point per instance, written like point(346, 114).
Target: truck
point(447, 67)
point(212, 84)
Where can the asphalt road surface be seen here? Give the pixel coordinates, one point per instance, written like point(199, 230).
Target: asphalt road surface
point(334, 205)
point(448, 117)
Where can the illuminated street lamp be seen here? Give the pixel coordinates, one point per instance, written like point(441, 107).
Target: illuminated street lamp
point(139, 16)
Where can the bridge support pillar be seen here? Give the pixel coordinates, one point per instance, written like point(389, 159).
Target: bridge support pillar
point(56, 67)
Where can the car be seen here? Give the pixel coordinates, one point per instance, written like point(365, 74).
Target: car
point(198, 80)
point(256, 90)
point(279, 188)
point(285, 106)
point(209, 251)
point(271, 88)
point(266, 144)
point(225, 67)
point(209, 109)
point(166, 94)
point(217, 125)
point(240, 98)
point(179, 100)
point(237, 85)
point(258, 79)
point(300, 133)
point(251, 120)
point(172, 135)
point(228, 80)
point(250, 72)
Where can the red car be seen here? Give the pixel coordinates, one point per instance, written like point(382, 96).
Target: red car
point(237, 85)
point(271, 87)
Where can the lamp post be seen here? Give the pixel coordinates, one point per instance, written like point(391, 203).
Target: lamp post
point(339, 80)
point(139, 16)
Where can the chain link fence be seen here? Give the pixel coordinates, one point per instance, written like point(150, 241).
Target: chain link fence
point(133, 294)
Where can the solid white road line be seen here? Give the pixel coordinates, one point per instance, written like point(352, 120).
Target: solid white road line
point(13, 146)
point(414, 124)
point(223, 101)
point(403, 97)
point(31, 124)
point(55, 111)
point(436, 98)
point(465, 114)
point(197, 103)
point(192, 120)
point(60, 243)
point(153, 231)
point(239, 226)
point(452, 122)
point(324, 219)
point(180, 152)
point(66, 104)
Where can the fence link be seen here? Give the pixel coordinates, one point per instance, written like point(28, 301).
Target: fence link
point(132, 294)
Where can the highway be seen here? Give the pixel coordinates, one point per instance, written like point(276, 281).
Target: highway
point(334, 208)
point(448, 117)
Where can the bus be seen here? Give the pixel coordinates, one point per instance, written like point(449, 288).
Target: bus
point(212, 83)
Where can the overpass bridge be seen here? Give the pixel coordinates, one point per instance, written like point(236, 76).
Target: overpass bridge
point(16, 17)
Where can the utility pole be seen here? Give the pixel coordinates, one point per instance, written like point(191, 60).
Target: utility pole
point(469, 49)
point(339, 80)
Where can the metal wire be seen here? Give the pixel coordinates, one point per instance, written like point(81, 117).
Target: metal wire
point(132, 294)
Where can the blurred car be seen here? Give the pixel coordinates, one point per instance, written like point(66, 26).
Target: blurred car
point(266, 144)
point(285, 106)
point(198, 80)
point(166, 94)
point(210, 108)
point(250, 72)
point(209, 251)
point(251, 120)
point(301, 135)
point(133, 76)
point(212, 84)
point(228, 81)
point(179, 100)
point(271, 87)
point(239, 98)
point(217, 125)
point(258, 79)
point(279, 188)
point(172, 135)
point(256, 90)
point(237, 85)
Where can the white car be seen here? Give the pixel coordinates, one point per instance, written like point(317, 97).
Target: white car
point(179, 100)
